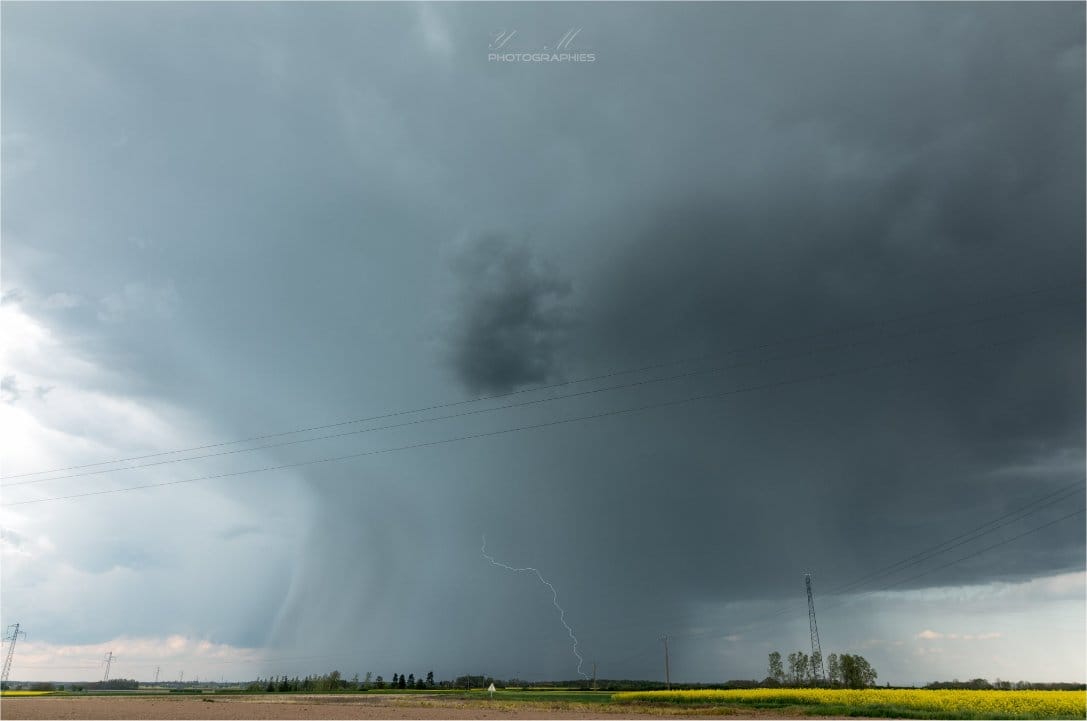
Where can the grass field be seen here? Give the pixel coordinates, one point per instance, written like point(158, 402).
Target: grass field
point(889, 703)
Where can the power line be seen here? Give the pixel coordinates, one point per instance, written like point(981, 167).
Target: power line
point(1061, 494)
point(1057, 496)
point(655, 366)
point(562, 421)
point(622, 386)
point(972, 555)
point(1007, 519)
point(652, 648)
point(1004, 542)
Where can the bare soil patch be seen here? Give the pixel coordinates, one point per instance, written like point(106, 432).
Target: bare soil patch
point(334, 707)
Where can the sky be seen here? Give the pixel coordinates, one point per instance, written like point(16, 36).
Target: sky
point(730, 294)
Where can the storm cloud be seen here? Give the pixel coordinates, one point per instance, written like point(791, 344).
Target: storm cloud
point(805, 281)
point(511, 322)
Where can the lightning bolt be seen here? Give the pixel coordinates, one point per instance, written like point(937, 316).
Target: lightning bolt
point(554, 600)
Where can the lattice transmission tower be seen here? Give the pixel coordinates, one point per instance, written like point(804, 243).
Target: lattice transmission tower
point(816, 650)
point(108, 660)
point(11, 637)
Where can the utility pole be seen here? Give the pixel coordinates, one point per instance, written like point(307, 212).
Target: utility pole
point(816, 650)
point(667, 671)
point(11, 637)
point(180, 678)
point(157, 669)
point(594, 675)
point(108, 660)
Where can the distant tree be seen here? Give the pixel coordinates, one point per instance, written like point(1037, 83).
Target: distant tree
point(793, 661)
point(380, 683)
point(402, 683)
point(775, 670)
point(419, 685)
point(856, 671)
point(411, 680)
point(369, 679)
point(430, 679)
point(799, 668)
point(834, 671)
point(816, 664)
point(395, 683)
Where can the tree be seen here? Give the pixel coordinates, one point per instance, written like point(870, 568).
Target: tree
point(794, 668)
point(380, 681)
point(816, 664)
point(856, 671)
point(430, 679)
point(799, 668)
point(834, 671)
point(411, 680)
point(402, 683)
point(395, 683)
point(775, 670)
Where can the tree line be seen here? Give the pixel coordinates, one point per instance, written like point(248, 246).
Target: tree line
point(334, 681)
point(842, 670)
point(981, 684)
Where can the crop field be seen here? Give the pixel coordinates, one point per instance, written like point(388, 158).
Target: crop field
point(889, 703)
point(566, 704)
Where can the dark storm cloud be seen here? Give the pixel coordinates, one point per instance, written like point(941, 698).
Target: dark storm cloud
point(923, 182)
point(512, 320)
point(723, 176)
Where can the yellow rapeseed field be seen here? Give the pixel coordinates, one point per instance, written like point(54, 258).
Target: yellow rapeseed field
point(938, 703)
point(24, 693)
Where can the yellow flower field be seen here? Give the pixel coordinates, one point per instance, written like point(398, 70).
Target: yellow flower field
point(923, 702)
point(24, 693)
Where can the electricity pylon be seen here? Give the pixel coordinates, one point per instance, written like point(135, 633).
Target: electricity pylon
point(816, 651)
point(667, 670)
point(108, 660)
point(11, 637)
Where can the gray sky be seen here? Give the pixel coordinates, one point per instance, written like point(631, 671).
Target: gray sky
point(225, 221)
